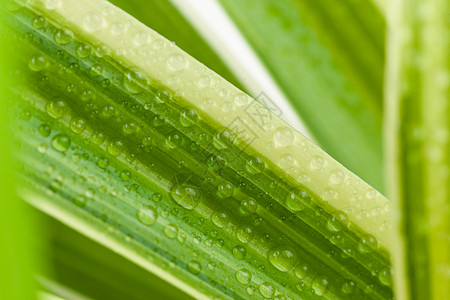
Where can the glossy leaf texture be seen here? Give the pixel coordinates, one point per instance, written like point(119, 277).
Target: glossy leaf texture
point(328, 59)
point(417, 130)
point(147, 151)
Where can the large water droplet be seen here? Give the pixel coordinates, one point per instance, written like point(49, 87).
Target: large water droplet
point(282, 258)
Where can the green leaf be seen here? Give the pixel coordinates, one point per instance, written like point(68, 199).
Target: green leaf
point(328, 59)
point(162, 16)
point(418, 124)
point(17, 229)
point(144, 149)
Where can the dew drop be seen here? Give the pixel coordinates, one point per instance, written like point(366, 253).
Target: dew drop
point(80, 200)
point(249, 205)
point(115, 148)
point(283, 136)
point(52, 4)
point(83, 51)
point(385, 277)
point(337, 177)
point(56, 109)
point(255, 165)
point(188, 117)
point(176, 63)
point(171, 231)
point(63, 36)
point(77, 125)
point(141, 38)
point(297, 200)
point(316, 163)
point(225, 190)
point(239, 251)
point(320, 285)
point(301, 271)
point(38, 22)
point(61, 142)
point(147, 215)
point(220, 219)
point(348, 287)
point(194, 267)
point(224, 139)
point(338, 221)
point(38, 63)
point(44, 130)
point(267, 290)
point(103, 162)
point(245, 234)
point(282, 258)
point(188, 196)
point(94, 22)
point(125, 175)
point(243, 276)
point(367, 244)
point(133, 81)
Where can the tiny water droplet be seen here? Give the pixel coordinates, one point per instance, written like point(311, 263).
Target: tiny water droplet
point(220, 219)
point(147, 215)
point(267, 290)
point(94, 22)
point(283, 136)
point(44, 130)
point(61, 142)
point(194, 267)
point(239, 251)
point(243, 276)
point(282, 258)
point(316, 163)
point(38, 63)
point(176, 63)
point(171, 231)
point(188, 196)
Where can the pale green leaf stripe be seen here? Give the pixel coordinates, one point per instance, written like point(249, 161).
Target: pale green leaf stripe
point(328, 59)
point(418, 147)
point(164, 18)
